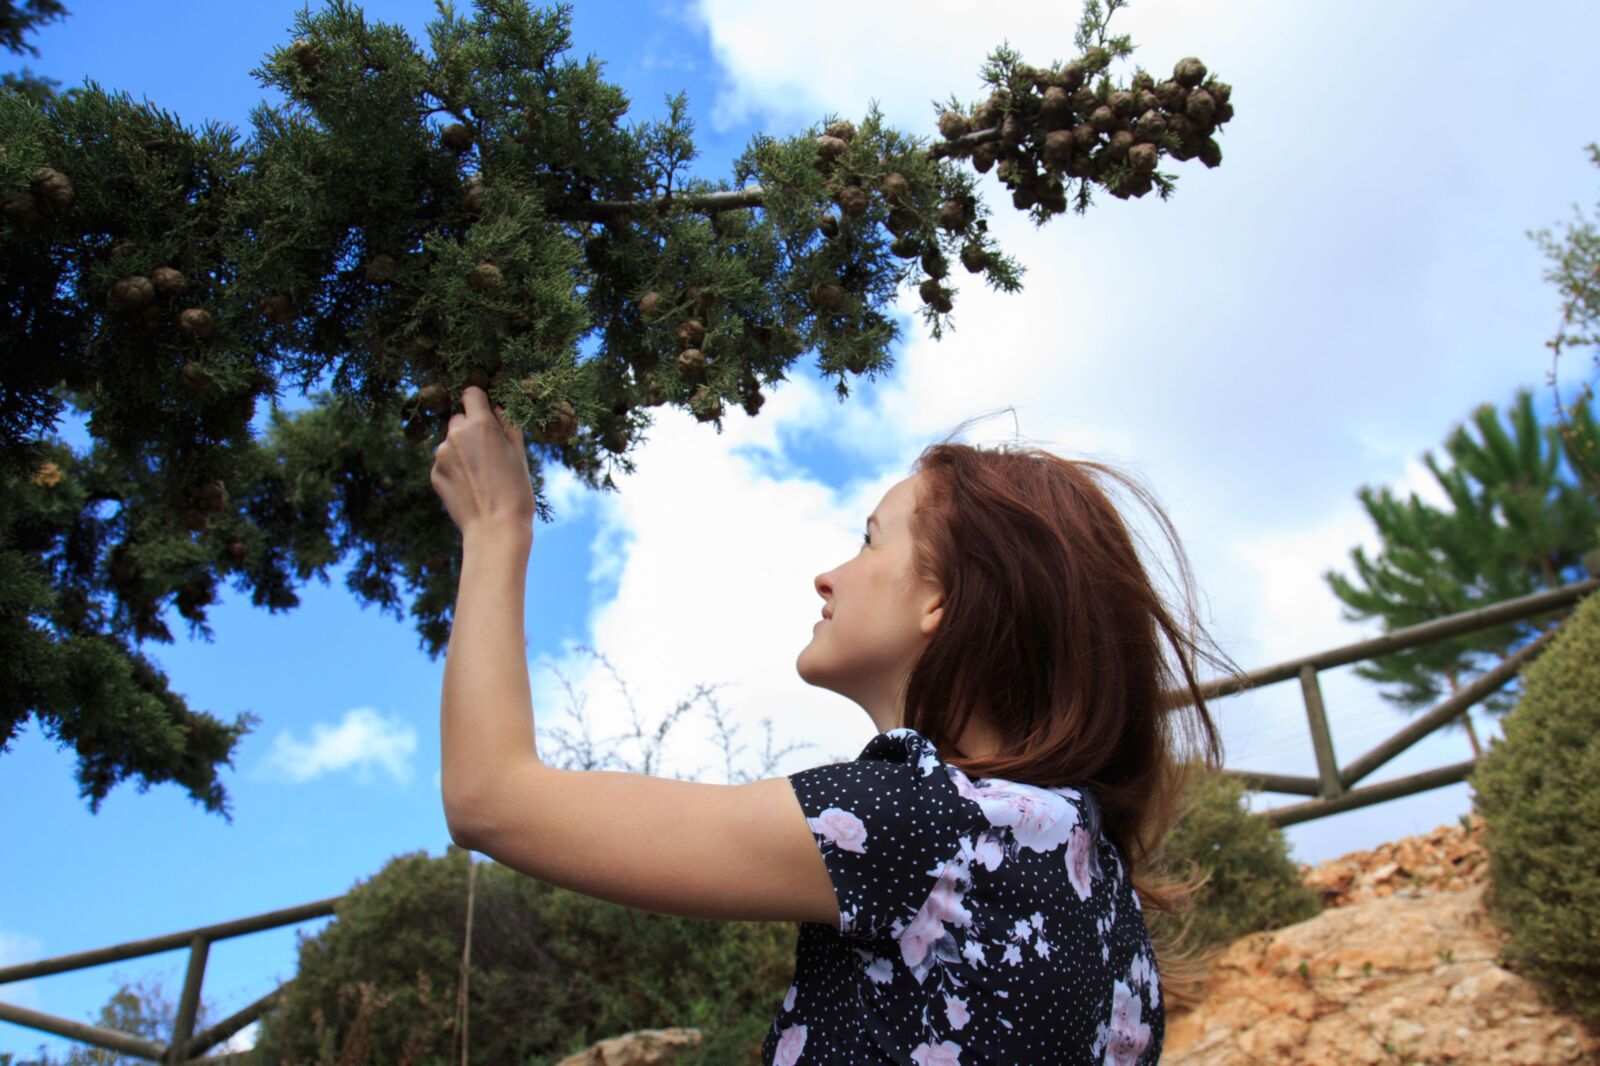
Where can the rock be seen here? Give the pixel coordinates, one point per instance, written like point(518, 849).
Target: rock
point(1399, 967)
point(643, 1047)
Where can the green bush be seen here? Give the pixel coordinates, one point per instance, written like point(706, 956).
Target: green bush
point(1538, 791)
point(552, 972)
point(1254, 884)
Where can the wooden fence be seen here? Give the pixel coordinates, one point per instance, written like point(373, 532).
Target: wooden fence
point(1331, 790)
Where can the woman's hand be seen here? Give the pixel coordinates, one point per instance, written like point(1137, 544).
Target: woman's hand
point(480, 470)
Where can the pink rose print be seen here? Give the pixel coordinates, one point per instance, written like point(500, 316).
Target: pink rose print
point(790, 1044)
point(1038, 818)
point(788, 1001)
point(927, 928)
point(1129, 1036)
point(955, 1010)
point(944, 1053)
point(989, 852)
point(1078, 857)
point(842, 828)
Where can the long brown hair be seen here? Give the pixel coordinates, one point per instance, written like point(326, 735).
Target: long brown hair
point(1051, 631)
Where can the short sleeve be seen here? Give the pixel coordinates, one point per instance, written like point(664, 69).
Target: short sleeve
point(886, 825)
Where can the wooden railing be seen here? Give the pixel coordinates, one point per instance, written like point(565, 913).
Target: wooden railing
point(1331, 789)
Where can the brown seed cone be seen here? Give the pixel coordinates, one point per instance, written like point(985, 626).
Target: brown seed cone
point(706, 405)
point(953, 125)
point(830, 148)
point(486, 277)
point(752, 402)
point(650, 303)
point(1142, 157)
point(701, 297)
point(279, 309)
point(168, 282)
point(1071, 77)
point(983, 156)
point(842, 130)
point(131, 293)
point(952, 216)
point(1138, 184)
point(653, 396)
point(1103, 119)
point(1012, 130)
point(1172, 96)
point(1200, 107)
point(615, 439)
point(930, 291)
point(52, 186)
point(1181, 127)
point(828, 223)
point(1220, 91)
point(692, 360)
point(1058, 147)
point(853, 200)
point(21, 210)
point(380, 268)
point(560, 427)
point(210, 495)
point(196, 521)
point(895, 187)
point(1189, 72)
point(901, 221)
point(304, 53)
point(1024, 197)
point(237, 551)
point(1150, 127)
point(934, 264)
point(1122, 103)
point(987, 115)
point(1142, 80)
point(456, 137)
point(827, 297)
point(434, 399)
point(1117, 148)
point(197, 322)
point(1210, 153)
point(476, 190)
point(1056, 108)
point(1054, 197)
point(906, 247)
point(1224, 113)
point(1147, 101)
point(974, 258)
point(416, 430)
point(691, 333)
point(476, 376)
point(1085, 136)
point(194, 377)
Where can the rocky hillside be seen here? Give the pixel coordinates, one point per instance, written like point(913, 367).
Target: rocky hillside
point(1399, 968)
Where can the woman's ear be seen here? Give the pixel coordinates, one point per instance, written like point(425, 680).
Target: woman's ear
point(931, 616)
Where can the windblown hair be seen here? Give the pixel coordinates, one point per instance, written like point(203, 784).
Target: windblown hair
point(1052, 632)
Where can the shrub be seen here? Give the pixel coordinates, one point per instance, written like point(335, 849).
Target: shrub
point(552, 972)
point(1254, 885)
point(1538, 791)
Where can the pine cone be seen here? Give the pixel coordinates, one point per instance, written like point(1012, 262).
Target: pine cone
point(1150, 127)
point(830, 148)
point(194, 377)
point(1147, 101)
point(131, 293)
point(1122, 103)
point(1189, 72)
point(434, 399)
point(842, 130)
point(691, 333)
point(456, 137)
point(416, 430)
point(211, 496)
point(828, 223)
point(168, 282)
point(1117, 148)
point(901, 221)
point(304, 53)
point(1058, 147)
point(21, 209)
point(952, 216)
point(987, 115)
point(1142, 157)
point(1071, 76)
point(486, 277)
point(895, 187)
point(1056, 108)
point(563, 423)
point(1200, 107)
point(1084, 101)
point(52, 186)
point(974, 258)
point(705, 404)
point(934, 264)
point(650, 303)
point(953, 125)
point(752, 403)
point(827, 297)
point(983, 156)
point(197, 322)
point(1142, 80)
point(1103, 119)
point(477, 188)
point(935, 296)
point(615, 439)
point(1210, 153)
point(1012, 130)
point(853, 200)
point(195, 521)
point(1054, 198)
point(1172, 96)
point(279, 309)
point(906, 247)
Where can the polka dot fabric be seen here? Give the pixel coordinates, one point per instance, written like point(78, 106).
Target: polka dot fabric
point(981, 921)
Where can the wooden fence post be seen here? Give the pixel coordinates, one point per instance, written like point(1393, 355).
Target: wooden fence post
point(1321, 737)
point(189, 1003)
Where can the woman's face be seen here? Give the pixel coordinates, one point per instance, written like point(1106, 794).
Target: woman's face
point(881, 615)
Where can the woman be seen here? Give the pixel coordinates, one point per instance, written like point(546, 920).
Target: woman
point(973, 887)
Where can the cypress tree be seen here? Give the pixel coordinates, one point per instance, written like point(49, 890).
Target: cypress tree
point(409, 222)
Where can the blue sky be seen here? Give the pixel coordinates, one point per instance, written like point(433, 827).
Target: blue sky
point(1306, 319)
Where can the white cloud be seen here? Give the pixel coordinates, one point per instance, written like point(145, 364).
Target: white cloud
point(18, 948)
point(362, 742)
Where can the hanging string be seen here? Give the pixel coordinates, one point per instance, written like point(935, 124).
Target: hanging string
point(466, 959)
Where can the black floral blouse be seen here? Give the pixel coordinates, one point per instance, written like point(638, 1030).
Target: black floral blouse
point(984, 921)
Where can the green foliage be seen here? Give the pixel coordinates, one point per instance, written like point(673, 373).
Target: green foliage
point(1518, 523)
point(139, 1008)
point(1538, 791)
point(552, 971)
point(1254, 885)
point(408, 218)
